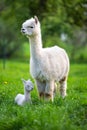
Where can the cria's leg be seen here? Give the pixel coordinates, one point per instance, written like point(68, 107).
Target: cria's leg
point(41, 87)
point(49, 90)
point(63, 86)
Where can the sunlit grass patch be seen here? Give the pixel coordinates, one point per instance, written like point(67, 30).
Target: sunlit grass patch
point(63, 114)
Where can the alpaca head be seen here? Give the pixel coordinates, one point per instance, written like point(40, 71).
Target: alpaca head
point(28, 85)
point(31, 27)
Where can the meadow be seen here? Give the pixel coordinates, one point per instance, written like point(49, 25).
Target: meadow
point(63, 114)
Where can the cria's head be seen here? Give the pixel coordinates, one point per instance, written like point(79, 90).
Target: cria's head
point(31, 27)
point(28, 85)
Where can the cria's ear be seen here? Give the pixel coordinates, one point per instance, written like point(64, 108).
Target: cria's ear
point(36, 19)
point(24, 81)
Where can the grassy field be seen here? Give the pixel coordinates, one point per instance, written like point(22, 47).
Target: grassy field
point(63, 114)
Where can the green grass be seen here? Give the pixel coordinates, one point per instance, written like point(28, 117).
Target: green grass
point(67, 114)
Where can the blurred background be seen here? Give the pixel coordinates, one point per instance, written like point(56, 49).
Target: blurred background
point(63, 23)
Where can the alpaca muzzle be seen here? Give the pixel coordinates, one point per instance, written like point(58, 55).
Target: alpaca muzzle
point(23, 30)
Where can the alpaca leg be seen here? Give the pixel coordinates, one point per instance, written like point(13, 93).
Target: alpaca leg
point(49, 90)
point(55, 89)
point(63, 87)
point(41, 87)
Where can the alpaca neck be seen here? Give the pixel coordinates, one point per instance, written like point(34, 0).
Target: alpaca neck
point(27, 95)
point(35, 45)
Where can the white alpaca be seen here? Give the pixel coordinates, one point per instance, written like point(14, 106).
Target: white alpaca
point(47, 65)
point(20, 99)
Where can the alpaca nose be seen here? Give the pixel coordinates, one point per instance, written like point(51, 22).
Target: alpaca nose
point(22, 30)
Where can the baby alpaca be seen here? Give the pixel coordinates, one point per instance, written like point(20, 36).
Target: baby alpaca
point(47, 65)
point(20, 99)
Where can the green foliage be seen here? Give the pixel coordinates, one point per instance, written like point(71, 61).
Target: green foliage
point(67, 114)
point(56, 17)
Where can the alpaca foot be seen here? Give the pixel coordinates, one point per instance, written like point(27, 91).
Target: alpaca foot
point(41, 95)
point(48, 97)
point(63, 95)
point(63, 92)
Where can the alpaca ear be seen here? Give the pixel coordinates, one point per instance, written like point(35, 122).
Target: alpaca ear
point(36, 19)
point(24, 81)
point(29, 80)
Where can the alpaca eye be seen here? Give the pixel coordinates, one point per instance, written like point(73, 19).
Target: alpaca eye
point(30, 26)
